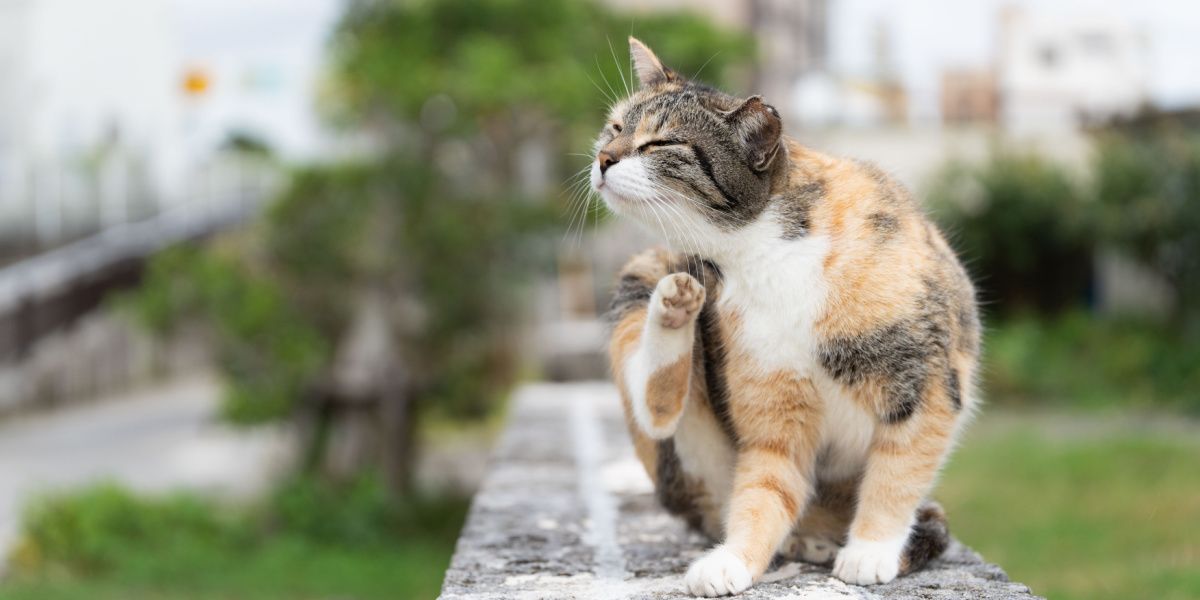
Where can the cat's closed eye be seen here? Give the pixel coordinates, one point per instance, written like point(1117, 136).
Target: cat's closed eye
point(659, 144)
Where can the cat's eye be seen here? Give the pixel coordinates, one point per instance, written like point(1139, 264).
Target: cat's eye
point(616, 127)
point(659, 144)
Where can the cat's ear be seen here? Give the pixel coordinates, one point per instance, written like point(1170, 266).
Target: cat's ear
point(649, 69)
point(760, 129)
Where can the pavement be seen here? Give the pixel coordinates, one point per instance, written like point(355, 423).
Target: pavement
point(158, 438)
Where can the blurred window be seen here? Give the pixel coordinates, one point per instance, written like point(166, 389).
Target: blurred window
point(1048, 56)
point(1096, 44)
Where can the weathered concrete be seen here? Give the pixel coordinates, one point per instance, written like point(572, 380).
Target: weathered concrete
point(567, 512)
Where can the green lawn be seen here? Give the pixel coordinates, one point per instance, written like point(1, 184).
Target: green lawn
point(1082, 506)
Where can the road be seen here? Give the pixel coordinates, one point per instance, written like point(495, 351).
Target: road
point(158, 438)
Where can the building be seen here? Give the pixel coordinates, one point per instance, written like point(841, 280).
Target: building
point(85, 84)
point(1055, 70)
point(792, 39)
point(969, 97)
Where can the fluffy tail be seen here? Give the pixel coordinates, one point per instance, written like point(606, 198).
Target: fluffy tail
point(929, 539)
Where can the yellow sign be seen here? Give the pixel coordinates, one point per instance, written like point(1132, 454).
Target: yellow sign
point(196, 82)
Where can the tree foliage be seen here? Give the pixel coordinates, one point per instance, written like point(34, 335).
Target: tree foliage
point(1148, 189)
point(435, 219)
point(1024, 227)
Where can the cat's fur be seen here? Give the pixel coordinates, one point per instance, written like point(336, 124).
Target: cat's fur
point(793, 381)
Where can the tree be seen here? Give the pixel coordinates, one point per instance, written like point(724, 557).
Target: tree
point(382, 290)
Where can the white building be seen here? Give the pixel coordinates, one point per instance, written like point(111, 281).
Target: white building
point(1055, 70)
point(97, 126)
point(85, 83)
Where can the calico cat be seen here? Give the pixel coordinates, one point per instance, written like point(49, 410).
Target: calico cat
point(794, 381)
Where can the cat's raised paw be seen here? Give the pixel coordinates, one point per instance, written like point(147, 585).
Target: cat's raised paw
point(718, 573)
point(868, 563)
point(678, 298)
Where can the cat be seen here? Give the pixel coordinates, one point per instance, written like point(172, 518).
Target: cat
point(795, 380)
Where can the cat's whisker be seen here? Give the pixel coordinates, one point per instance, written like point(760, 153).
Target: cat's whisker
point(615, 94)
point(617, 63)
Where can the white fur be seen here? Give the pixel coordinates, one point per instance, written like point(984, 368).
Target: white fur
point(718, 573)
point(846, 432)
point(864, 562)
point(705, 453)
point(659, 347)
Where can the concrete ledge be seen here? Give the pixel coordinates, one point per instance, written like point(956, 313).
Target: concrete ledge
point(567, 512)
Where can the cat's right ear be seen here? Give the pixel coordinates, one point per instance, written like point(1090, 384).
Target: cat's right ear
point(650, 70)
point(760, 129)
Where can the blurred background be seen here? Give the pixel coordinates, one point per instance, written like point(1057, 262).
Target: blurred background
point(269, 270)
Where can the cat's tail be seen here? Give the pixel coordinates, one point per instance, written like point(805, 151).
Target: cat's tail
point(929, 538)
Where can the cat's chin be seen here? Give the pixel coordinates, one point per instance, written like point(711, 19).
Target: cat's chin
point(617, 203)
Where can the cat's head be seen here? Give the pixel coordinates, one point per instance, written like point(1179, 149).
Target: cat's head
point(682, 154)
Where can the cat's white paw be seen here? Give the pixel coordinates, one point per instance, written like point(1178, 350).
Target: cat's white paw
point(867, 563)
point(718, 573)
point(677, 300)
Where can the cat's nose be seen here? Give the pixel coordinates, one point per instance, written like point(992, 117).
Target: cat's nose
point(606, 160)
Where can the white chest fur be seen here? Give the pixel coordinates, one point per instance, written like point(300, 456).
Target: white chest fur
point(778, 290)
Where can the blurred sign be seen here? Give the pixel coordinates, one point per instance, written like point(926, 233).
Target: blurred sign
point(196, 82)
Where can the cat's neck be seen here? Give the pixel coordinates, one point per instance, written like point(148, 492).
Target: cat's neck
point(772, 233)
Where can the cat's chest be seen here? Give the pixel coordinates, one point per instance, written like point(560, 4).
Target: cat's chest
point(771, 302)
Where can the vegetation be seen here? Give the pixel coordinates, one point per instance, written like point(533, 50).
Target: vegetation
point(309, 540)
point(393, 282)
point(1078, 360)
point(1024, 227)
point(1081, 507)
point(1030, 232)
point(1147, 190)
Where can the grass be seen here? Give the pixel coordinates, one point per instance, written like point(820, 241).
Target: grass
point(307, 542)
point(1082, 507)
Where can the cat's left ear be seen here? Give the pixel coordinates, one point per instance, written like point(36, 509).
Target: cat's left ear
point(650, 70)
point(760, 129)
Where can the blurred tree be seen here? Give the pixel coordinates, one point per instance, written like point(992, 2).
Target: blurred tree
point(1147, 183)
point(376, 291)
point(1024, 229)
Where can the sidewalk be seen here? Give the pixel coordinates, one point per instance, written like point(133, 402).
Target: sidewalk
point(158, 438)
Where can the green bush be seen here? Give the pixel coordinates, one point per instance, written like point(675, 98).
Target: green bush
point(1023, 227)
point(265, 346)
point(1077, 359)
point(1147, 183)
point(307, 540)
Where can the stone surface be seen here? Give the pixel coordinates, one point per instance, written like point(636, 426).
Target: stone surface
point(566, 511)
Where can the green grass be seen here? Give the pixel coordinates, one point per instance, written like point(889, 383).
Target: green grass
point(1082, 507)
point(306, 542)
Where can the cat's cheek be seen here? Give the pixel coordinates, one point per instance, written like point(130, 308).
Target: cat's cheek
point(597, 179)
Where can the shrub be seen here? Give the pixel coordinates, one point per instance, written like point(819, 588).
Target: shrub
point(1079, 360)
point(1024, 228)
point(1148, 184)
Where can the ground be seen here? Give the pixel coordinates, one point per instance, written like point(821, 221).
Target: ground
point(1075, 504)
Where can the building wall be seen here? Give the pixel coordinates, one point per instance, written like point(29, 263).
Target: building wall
point(1056, 69)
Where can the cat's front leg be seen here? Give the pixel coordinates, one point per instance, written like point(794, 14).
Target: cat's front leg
point(657, 374)
point(903, 463)
point(777, 417)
